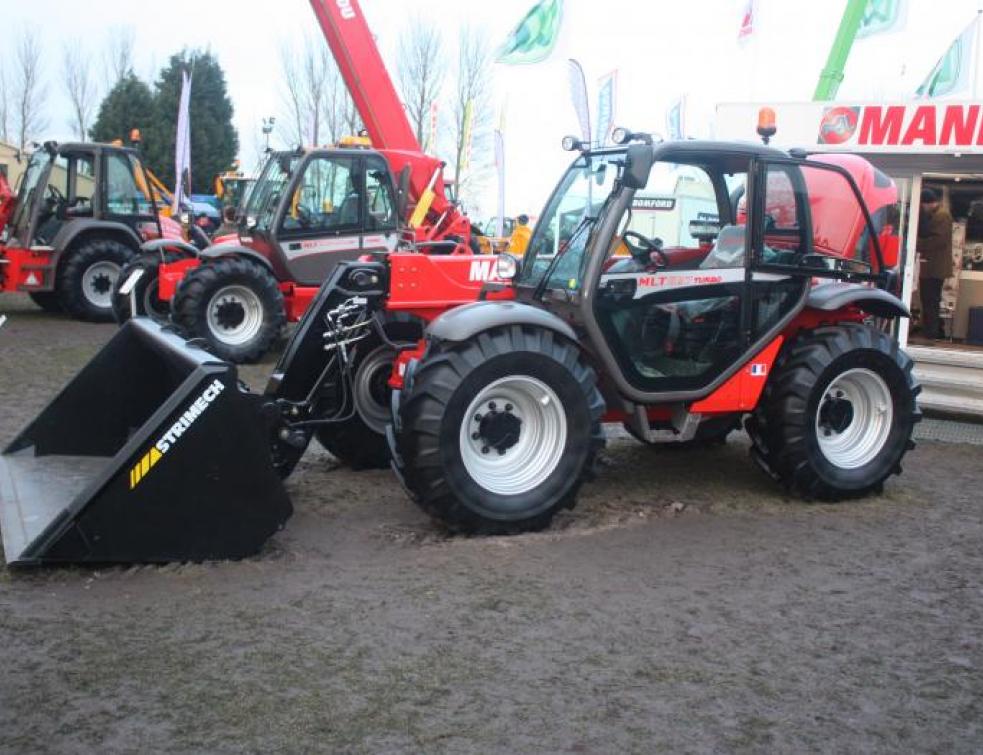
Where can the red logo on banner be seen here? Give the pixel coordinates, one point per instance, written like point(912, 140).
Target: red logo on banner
point(838, 124)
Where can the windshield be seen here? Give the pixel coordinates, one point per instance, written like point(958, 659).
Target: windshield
point(565, 224)
point(37, 167)
point(264, 197)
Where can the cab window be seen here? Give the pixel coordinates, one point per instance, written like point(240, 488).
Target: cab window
point(123, 193)
point(381, 213)
point(327, 199)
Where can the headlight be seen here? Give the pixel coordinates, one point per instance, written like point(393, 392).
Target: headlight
point(570, 143)
point(506, 266)
point(621, 135)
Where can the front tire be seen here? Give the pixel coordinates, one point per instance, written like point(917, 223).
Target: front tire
point(47, 300)
point(360, 441)
point(838, 413)
point(497, 433)
point(148, 303)
point(87, 276)
point(234, 304)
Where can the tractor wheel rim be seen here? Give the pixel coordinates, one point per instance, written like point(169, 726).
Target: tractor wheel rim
point(98, 281)
point(854, 418)
point(371, 388)
point(513, 435)
point(235, 315)
point(153, 306)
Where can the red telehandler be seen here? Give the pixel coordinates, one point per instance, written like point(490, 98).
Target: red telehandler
point(760, 305)
point(310, 209)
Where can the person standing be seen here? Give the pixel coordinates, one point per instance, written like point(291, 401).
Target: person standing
point(520, 235)
point(934, 247)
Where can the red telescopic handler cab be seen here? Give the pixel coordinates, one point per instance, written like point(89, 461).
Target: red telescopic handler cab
point(680, 289)
point(309, 210)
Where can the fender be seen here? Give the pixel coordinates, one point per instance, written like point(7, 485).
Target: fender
point(234, 250)
point(162, 245)
point(875, 301)
point(461, 323)
point(71, 231)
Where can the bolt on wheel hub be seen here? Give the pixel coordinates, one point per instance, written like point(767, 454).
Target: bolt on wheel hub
point(498, 429)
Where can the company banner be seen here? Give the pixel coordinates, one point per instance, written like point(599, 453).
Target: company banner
point(908, 127)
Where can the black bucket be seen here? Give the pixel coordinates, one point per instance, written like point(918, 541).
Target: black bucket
point(152, 453)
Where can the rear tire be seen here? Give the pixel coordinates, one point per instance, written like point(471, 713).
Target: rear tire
point(87, 276)
point(232, 303)
point(47, 300)
point(837, 414)
point(496, 434)
point(145, 290)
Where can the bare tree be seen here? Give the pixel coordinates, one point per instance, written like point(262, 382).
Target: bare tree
point(421, 72)
point(314, 94)
point(118, 60)
point(4, 104)
point(79, 86)
point(28, 87)
point(472, 109)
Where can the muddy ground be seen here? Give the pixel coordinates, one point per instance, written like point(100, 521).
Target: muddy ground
point(684, 605)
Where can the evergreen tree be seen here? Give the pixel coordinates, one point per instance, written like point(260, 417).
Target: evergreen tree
point(128, 105)
point(214, 142)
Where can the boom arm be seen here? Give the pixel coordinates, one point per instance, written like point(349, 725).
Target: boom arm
point(365, 74)
point(381, 110)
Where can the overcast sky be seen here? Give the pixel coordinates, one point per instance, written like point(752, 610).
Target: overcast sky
point(661, 48)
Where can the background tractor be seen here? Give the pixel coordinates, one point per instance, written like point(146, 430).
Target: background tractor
point(81, 213)
point(309, 210)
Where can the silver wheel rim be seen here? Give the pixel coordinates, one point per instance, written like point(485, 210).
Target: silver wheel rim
point(153, 307)
point(371, 388)
point(235, 315)
point(541, 435)
point(854, 418)
point(98, 282)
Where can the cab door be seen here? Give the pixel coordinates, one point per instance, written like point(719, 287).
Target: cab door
point(340, 207)
point(675, 319)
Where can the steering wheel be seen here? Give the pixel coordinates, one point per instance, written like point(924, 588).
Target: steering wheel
point(55, 193)
point(645, 247)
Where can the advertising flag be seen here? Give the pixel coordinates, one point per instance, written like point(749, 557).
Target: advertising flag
point(182, 145)
point(747, 22)
point(676, 119)
point(607, 90)
point(534, 38)
point(954, 73)
point(882, 16)
point(578, 95)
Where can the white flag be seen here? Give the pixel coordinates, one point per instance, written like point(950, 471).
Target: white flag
point(954, 73)
point(182, 145)
point(607, 91)
point(578, 94)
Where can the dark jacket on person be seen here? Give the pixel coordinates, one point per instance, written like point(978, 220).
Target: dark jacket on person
point(935, 244)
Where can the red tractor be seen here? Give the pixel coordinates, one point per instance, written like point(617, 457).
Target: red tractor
point(761, 311)
point(82, 212)
point(310, 209)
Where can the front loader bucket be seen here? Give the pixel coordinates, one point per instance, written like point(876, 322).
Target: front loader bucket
point(152, 453)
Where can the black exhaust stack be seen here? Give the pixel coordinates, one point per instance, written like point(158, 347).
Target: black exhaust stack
point(152, 453)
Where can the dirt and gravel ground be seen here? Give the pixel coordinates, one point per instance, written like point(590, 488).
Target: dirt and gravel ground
point(685, 605)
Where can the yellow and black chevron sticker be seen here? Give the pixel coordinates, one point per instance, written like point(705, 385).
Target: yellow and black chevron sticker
point(145, 464)
point(166, 441)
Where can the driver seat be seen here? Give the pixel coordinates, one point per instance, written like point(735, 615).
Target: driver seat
point(728, 249)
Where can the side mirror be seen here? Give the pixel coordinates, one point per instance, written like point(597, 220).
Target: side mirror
point(638, 164)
